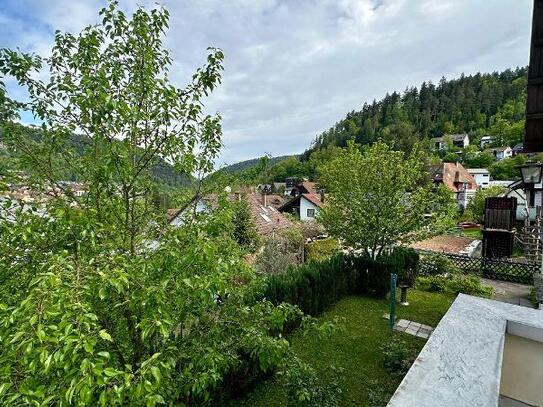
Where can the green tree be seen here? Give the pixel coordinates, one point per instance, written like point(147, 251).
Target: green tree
point(376, 198)
point(475, 210)
point(245, 233)
point(507, 170)
point(94, 309)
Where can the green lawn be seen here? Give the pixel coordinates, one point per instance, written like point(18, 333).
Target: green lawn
point(357, 349)
point(473, 233)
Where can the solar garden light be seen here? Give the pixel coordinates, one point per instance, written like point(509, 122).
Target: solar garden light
point(403, 292)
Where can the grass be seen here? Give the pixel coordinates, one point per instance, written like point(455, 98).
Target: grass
point(357, 349)
point(474, 233)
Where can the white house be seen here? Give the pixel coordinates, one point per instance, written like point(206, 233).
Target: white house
point(501, 153)
point(481, 175)
point(486, 140)
point(458, 140)
point(304, 206)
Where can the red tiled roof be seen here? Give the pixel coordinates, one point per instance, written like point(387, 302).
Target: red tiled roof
point(314, 198)
point(266, 218)
point(452, 175)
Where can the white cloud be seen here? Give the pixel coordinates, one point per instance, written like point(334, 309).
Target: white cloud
point(293, 68)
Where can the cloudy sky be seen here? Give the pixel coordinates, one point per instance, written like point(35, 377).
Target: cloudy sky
point(294, 67)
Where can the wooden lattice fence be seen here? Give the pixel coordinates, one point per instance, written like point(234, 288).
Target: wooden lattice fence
point(496, 269)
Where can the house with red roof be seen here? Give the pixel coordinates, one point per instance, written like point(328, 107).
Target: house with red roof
point(304, 206)
point(456, 178)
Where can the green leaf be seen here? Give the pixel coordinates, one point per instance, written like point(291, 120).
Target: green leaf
point(104, 335)
point(156, 374)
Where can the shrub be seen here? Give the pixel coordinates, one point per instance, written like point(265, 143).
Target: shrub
point(454, 284)
point(437, 265)
point(316, 285)
point(280, 252)
point(397, 357)
point(321, 249)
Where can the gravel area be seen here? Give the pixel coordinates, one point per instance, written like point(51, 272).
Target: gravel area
point(444, 243)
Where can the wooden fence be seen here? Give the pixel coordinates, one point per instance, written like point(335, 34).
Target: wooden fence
point(496, 269)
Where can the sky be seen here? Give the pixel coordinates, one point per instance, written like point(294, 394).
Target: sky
point(295, 67)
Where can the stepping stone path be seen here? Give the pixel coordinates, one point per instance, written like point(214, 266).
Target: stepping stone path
point(413, 328)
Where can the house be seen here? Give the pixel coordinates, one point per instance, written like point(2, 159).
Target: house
point(456, 178)
point(481, 175)
point(458, 140)
point(304, 206)
point(264, 213)
point(501, 153)
point(486, 140)
point(518, 149)
point(482, 353)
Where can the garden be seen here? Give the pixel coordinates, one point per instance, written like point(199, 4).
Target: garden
point(356, 356)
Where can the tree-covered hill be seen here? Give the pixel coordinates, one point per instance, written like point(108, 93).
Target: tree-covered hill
point(478, 104)
point(162, 172)
point(248, 164)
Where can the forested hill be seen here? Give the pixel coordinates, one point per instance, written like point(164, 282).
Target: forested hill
point(162, 172)
point(248, 164)
point(477, 104)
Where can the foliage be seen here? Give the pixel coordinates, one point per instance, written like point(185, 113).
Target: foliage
point(280, 252)
point(454, 284)
point(507, 169)
point(314, 286)
point(397, 356)
point(355, 349)
point(95, 310)
point(245, 233)
point(376, 198)
point(438, 265)
point(321, 249)
point(476, 206)
point(477, 104)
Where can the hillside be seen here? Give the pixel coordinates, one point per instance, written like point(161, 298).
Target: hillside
point(162, 172)
point(477, 104)
point(248, 164)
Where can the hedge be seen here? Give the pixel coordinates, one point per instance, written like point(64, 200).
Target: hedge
point(315, 286)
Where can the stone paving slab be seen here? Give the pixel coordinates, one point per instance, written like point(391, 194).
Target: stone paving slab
point(413, 328)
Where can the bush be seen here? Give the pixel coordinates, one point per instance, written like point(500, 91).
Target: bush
point(280, 252)
point(321, 249)
point(438, 265)
point(454, 284)
point(397, 357)
point(316, 285)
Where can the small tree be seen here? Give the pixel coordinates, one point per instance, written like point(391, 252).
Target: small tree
point(377, 197)
point(475, 210)
point(245, 232)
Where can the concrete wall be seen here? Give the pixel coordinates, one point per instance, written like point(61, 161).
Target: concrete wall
point(522, 370)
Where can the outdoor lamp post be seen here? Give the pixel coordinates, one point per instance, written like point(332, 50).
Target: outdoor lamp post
point(531, 175)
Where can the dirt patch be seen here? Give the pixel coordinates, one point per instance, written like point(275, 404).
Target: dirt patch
point(444, 243)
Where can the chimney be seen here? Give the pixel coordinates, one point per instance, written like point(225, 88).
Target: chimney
point(322, 195)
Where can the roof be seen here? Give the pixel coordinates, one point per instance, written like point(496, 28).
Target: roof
point(315, 199)
point(498, 148)
point(461, 363)
point(519, 147)
point(265, 217)
point(450, 174)
point(454, 137)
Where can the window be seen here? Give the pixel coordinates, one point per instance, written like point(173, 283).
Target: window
point(311, 213)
